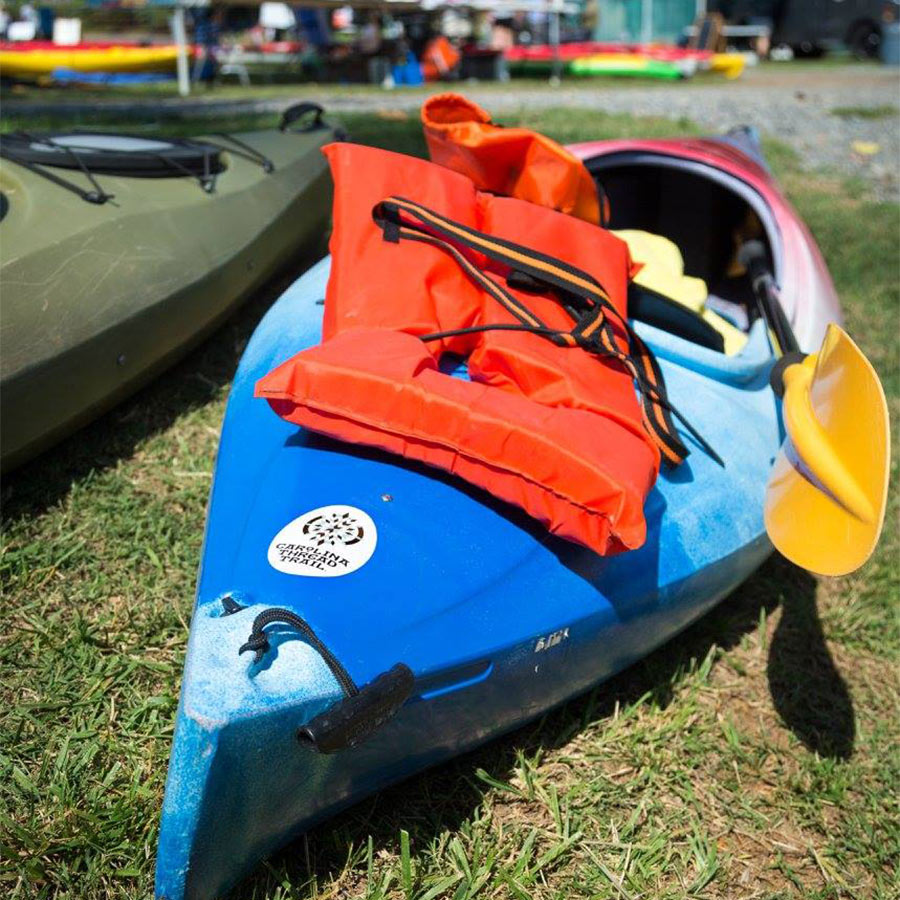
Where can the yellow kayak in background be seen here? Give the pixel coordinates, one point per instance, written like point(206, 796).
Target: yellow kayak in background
point(731, 65)
point(33, 64)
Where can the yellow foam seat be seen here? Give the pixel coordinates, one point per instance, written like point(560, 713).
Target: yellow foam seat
point(663, 273)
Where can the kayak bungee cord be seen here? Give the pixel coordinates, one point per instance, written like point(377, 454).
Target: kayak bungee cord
point(362, 710)
point(98, 195)
point(246, 151)
point(259, 643)
point(204, 156)
point(206, 179)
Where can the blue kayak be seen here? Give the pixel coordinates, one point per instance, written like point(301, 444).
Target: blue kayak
point(389, 562)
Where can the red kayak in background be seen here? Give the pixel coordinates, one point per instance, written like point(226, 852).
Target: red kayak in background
point(28, 46)
point(578, 49)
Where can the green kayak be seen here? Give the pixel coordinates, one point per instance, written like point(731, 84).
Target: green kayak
point(630, 65)
point(118, 252)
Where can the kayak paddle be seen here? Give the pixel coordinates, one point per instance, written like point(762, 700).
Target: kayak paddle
point(826, 497)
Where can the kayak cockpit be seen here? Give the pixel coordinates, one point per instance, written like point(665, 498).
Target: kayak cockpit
point(705, 212)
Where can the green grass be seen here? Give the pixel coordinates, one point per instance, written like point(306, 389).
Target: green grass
point(754, 756)
point(299, 90)
point(262, 90)
point(866, 112)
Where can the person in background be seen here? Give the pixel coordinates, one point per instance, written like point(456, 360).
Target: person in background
point(441, 59)
point(207, 35)
point(520, 28)
point(28, 14)
point(483, 21)
point(45, 22)
point(370, 44)
point(369, 41)
point(502, 37)
point(419, 31)
point(313, 24)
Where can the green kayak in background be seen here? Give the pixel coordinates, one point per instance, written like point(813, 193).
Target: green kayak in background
point(119, 252)
point(631, 65)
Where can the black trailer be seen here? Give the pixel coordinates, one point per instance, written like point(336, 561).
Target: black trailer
point(811, 27)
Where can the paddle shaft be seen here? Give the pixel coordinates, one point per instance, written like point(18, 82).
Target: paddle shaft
point(753, 257)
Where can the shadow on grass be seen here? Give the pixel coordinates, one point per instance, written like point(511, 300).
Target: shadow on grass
point(807, 691)
point(38, 485)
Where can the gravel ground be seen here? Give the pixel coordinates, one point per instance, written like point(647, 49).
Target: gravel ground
point(797, 110)
point(794, 104)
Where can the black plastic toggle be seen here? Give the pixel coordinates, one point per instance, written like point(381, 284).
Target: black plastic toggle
point(353, 720)
point(230, 606)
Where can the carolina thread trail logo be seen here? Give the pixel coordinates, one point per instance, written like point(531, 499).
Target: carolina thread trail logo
point(334, 528)
point(324, 542)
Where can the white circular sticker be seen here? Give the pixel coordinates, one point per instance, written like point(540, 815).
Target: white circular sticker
point(324, 542)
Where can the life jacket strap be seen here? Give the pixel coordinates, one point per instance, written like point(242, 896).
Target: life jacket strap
point(582, 297)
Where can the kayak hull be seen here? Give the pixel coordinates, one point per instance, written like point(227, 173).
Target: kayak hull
point(36, 63)
point(226, 804)
point(630, 65)
point(580, 49)
point(94, 310)
point(498, 620)
point(610, 58)
point(261, 806)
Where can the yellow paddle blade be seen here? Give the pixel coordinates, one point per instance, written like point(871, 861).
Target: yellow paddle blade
point(826, 496)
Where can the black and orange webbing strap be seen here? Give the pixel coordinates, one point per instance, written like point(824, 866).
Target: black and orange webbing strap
point(578, 292)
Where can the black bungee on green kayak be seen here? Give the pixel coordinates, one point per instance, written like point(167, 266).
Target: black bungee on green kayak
point(119, 252)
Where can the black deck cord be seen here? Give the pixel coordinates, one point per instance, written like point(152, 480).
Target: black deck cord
point(80, 162)
point(206, 179)
point(98, 195)
point(499, 326)
point(663, 400)
point(246, 151)
point(259, 642)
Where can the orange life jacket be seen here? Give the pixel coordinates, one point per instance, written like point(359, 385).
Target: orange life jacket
point(549, 420)
point(515, 162)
